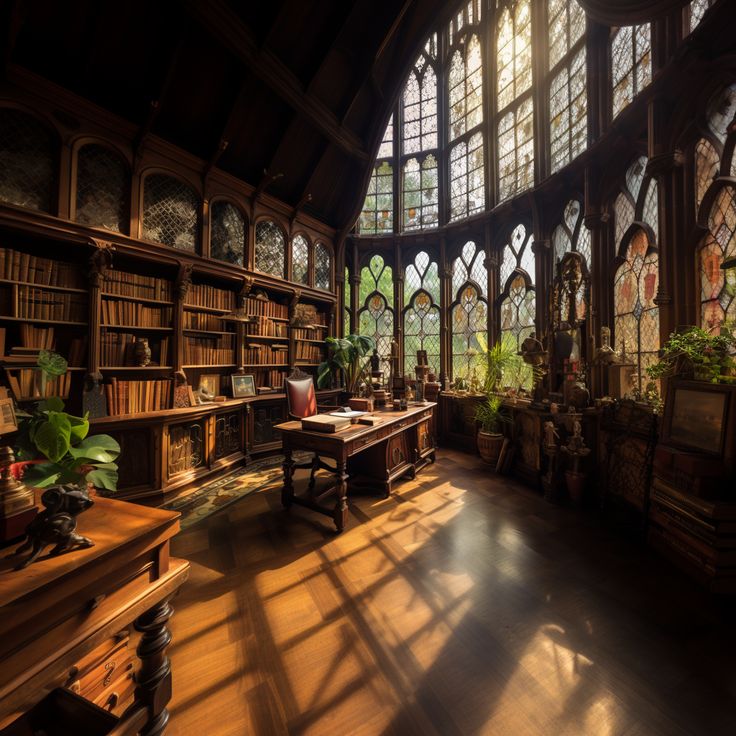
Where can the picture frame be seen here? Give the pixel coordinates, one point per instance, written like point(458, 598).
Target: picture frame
point(244, 386)
point(8, 420)
point(210, 382)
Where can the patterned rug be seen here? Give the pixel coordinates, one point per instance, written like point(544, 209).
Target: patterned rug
point(258, 476)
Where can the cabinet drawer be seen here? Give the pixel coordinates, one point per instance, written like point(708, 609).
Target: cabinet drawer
point(397, 453)
point(425, 440)
point(115, 665)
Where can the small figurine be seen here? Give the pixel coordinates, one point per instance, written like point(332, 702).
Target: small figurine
point(57, 523)
point(375, 361)
point(550, 434)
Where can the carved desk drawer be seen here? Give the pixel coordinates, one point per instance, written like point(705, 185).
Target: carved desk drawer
point(425, 441)
point(397, 452)
point(108, 666)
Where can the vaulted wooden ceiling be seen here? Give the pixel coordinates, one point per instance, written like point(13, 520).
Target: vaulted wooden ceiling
point(296, 87)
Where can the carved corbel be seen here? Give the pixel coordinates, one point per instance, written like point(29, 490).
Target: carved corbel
point(183, 280)
point(99, 262)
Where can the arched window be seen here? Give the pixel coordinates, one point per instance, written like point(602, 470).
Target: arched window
point(707, 161)
point(571, 235)
point(376, 315)
point(300, 259)
point(170, 212)
point(270, 249)
point(568, 104)
point(469, 310)
point(718, 287)
point(419, 103)
point(322, 267)
point(347, 300)
point(631, 63)
point(697, 11)
point(421, 199)
point(102, 188)
point(227, 233)
point(518, 255)
point(514, 103)
point(626, 201)
point(27, 161)
point(421, 313)
point(377, 217)
point(721, 111)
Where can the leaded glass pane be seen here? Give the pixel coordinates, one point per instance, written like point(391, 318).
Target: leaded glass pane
point(561, 242)
point(465, 88)
point(377, 216)
point(706, 168)
point(102, 188)
point(26, 161)
point(698, 8)
point(516, 150)
point(376, 276)
point(322, 266)
point(631, 63)
point(623, 213)
point(513, 53)
point(470, 266)
point(170, 212)
point(386, 149)
point(517, 312)
point(568, 112)
point(469, 320)
point(583, 244)
point(227, 233)
point(421, 208)
point(347, 301)
point(721, 112)
point(650, 214)
point(566, 22)
point(376, 320)
point(635, 177)
point(422, 316)
point(270, 249)
point(300, 260)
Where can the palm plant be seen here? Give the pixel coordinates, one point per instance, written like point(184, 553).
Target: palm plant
point(347, 355)
point(490, 414)
point(499, 358)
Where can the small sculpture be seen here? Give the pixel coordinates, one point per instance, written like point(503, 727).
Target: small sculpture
point(605, 355)
point(550, 434)
point(375, 361)
point(142, 352)
point(57, 523)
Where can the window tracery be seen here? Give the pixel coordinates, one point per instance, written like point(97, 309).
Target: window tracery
point(227, 233)
point(322, 266)
point(102, 188)
point(631, 63)
point(421, 313)
point(170, 212)
point(300, 259)
point(376, 315)
point(270, 256)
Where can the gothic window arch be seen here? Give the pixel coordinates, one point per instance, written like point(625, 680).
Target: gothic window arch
point(228, 233)
point(421, 312)
point(631, 63)
point(322, 266)
point(376, 315)
point(103, 186)
point(571, 235)
point(707, 164)
point(567, 82)
point(517, 255)
point(270, 255)
point(696, 12)
point(170, 212)
point(469, 310)
point(27, 161)
point(300, 259)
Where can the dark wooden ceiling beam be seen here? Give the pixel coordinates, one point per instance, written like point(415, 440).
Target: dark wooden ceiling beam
point(227, 28)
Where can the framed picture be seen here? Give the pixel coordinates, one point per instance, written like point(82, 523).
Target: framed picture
point(209, 384)
point(243, 386)
point(8, 422)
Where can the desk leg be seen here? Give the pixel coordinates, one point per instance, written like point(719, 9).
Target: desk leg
point(287, 492)
point(341, 507)
point(154, 676)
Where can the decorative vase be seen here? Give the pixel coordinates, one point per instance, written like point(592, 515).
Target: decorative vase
point(142, 352)
point(575, 486)
point(489, 446)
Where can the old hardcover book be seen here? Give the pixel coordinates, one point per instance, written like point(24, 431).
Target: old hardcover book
point(325, 423)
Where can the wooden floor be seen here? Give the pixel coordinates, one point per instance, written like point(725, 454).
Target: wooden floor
point(464, 604)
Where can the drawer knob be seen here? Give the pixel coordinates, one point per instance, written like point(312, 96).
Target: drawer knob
point(92, 604)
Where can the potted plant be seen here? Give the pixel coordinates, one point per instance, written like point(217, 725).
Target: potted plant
point(498, 359)
point(53, 447)
point(348, 356)
point(490, 415)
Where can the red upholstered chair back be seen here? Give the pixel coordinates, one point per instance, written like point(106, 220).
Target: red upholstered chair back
point(301, 397)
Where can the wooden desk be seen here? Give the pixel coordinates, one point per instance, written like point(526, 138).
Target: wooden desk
point(59, 609)
point(402, 444)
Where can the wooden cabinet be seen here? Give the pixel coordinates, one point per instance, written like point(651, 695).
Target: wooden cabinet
point(266, 414)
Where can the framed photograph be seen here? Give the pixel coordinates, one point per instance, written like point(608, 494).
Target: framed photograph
point(8, 422)
point(243, 386)
point(209, 384)
point(696, 417)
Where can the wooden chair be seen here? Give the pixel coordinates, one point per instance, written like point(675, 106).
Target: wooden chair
point(301, 400)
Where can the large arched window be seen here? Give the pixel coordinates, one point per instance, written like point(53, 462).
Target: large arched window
point(300, 259)
point(631, 63)
point(227, 233)
point(707, 162)
point(170, 212)
point(421, 312)
point(514, 103)
point(322, 267)
point(469, 310)
point(270, 249)
point(567, 80)
point(102, 188)
point(376, 315)
point(377, 216)
point(27, 161)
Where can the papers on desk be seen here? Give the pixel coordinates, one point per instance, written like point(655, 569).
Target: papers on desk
point(349, 413)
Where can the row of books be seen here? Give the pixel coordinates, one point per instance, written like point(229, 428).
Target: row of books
point(203, 321)
point(259, 354)
point(123, 283)
point(28, 383)
point(18, 266)
point(273, 378)
point(51, 305)
point(308, 351)
point(202, 295)
point(37, 337)
point(131, 397)
point(118, 349)
point(266, 327)
point(133, 313)
point(265, 308)
point(307, 333)
point(209, 351)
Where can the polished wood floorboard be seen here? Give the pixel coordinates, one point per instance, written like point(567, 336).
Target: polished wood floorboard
point(463, 604)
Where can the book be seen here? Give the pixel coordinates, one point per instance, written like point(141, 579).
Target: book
point(325, 423)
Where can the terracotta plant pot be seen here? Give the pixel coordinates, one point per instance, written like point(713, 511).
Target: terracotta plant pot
point(575, 486)
point(489, 446)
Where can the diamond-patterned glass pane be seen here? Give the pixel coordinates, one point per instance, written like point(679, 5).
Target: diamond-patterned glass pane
point(300, 259)
point(518, 310)
point(377, 276)
point(421, 194)
point(421, 332)
point(650, 214)
point(376, 319)
point(469, 320)
point(270, 249)
point(377, 216)
point(513, 53)
point(227, 233)
point(623, 212)
point(102, 188)
point(26, 161)
point(631, 63)
point(170, 212)
point(322, 266)
point(706, 168)
point(698, 8)
point(721, 112)
point(566, 23)
point(568, 112)
point(347, 291)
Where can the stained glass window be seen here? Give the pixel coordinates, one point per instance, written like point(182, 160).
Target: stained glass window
point(571, 235)
point(718, 287)
point(517, 312)
point(707, 161)
point(698, 9)
point(347, 290)
point(516, 150)
point(26, 161)
point(421, 197)
point(631, 63)
point(636, 318)
point(102, 188)
point(386, 149)
point(377, 216)
point(468, 16)
point(721, 112)
point(300, 259)
point(420, 103)
point(625, 203)
point(650, 213)
point(517, 255)
point(270, 249)
point(227, 233)
point(170, 212)
point(513, 53)
point(466, 88)
point(322, 266)
point(421, 313)
point(376, 315)
point(568, 107)
point(467, 185)
point(566, 23)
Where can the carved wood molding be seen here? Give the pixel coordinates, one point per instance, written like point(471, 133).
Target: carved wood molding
point(183, 280)
point(99, 262)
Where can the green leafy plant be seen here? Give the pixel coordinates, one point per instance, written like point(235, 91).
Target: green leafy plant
point(490, 414)
point(499, 358)
point(55, 447)
point(348, 356)
point(696, 353)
